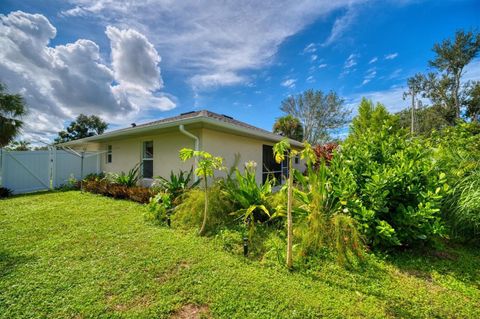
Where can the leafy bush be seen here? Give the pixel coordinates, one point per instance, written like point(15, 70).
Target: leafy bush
point(94, 176)
point(177, 184)
point(159, 208)
point(5, 192)
point(391, 187)
point(189, 213)
point(324, 153)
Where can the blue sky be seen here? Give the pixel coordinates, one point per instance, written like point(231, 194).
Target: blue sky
point(160, 58)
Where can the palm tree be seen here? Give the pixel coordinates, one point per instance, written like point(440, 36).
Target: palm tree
point(289, 126)
point(12, 108)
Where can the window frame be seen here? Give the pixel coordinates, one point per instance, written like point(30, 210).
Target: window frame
point(109, 155)
point(144, 146)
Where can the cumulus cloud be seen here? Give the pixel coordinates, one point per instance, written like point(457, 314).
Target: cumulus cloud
point(391, 56)
point(213, 42)
point(134, 59)
point(61, 82)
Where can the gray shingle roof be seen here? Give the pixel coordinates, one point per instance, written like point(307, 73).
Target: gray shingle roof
point(208, 114)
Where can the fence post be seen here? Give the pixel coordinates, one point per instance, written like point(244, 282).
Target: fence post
point(52, 166)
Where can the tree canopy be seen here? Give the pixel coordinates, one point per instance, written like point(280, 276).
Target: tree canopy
point(83, 126)
point(289, 126)
point(318, 112)
point(12, 109)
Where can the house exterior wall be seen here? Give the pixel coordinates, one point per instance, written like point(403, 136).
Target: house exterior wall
point(126, 153)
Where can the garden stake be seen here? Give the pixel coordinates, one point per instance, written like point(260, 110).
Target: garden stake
point(245, 246)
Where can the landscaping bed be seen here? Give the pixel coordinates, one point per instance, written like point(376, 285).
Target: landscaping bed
point(80, 255)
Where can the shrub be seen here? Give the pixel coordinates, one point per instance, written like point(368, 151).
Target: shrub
point(189, 213)
point(5, 192)
point(176, 185)
point(463, 206)
point(250, 200)
point(103, 187)
point(324, 153)
point(159, 208)
point(129, 179)
point(394, 190)
point(456, 152)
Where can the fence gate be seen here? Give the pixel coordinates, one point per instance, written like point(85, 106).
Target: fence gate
point(31, 171)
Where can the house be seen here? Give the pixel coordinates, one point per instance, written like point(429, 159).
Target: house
point(156, 145)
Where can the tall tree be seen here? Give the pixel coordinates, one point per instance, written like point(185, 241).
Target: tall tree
point(319, 113)
point(370, 117)
point(451, 59)
point(289, 126)
point(12, 109)
point(83, 126)
point(473, 102)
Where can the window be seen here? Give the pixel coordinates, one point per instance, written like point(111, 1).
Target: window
point(297, 159)
point(270, 168)
point(109, 153)
point(147, 159)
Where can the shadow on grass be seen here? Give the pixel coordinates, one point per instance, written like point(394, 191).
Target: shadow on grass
point(9, 262)
point(462, 262)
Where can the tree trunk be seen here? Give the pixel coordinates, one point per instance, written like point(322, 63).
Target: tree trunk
point(455, 94)
point(205, 189)
point(412, 129)
point(289, 215)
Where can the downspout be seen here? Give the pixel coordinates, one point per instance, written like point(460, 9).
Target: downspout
point(197, 144)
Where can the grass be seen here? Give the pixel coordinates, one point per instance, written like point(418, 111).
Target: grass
point(74, 255)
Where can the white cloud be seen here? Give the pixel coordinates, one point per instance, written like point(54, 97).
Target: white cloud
point(289, 83)
point(391, 56)
point(134, 59)
point(61, 82)
point(212, 42)
point(340, 26)
point(310, 48)
point(313, 57)
point(323, 65)
point(373, 60)
point(472, 71)
point(351, 61)
point(370, 75)
point(310, 79)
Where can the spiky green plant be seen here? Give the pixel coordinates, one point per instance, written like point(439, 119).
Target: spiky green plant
point(177, 184)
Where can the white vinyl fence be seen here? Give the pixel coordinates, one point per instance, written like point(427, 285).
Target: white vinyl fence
point(31, 171)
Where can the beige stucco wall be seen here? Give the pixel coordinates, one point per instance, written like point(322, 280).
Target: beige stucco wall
point(127, 152)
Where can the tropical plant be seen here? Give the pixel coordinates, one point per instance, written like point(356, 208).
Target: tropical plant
point(128, 179)
point(283, 150)
point(159, 208)
point(249, 198)
point(206, 166)
point(289, 126)
point(12, 109)
point(18, 146)
point(177, 184)
point(191, 210)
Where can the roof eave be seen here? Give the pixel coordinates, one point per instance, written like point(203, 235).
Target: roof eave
point(200, 119)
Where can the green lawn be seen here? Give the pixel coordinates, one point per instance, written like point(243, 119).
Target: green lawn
point(74, 255)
